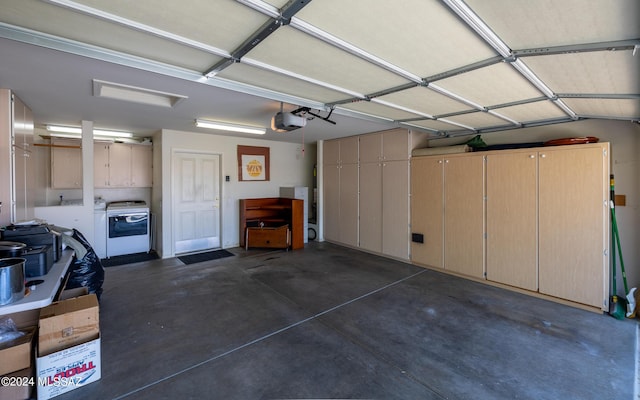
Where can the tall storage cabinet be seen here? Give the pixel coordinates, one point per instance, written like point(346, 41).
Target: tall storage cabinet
point(464, 215)
point(448, 211)
point(427, 211)
point(574, 223)
point(340, 166)
point(17, 166)
point(512, 215)
point(384, 193)
point(546, 223)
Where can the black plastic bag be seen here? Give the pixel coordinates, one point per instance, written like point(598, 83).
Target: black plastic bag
point(88, 271)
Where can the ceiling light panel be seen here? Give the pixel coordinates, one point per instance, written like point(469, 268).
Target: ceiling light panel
point(300, 53)
point(594, 72)
point(381, 110)
point(135, 94)
point(424, 100)
point(492, 85)
point(478, 120)
point(71, 25)
point(620, 108)
point(438, 41)
point(250, 75)
point(532, 24)
point(538, 111)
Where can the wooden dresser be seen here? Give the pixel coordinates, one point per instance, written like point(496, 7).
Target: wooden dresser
point(272, 212)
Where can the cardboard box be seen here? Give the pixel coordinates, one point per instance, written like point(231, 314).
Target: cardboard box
point(71, 293)
point(68, 369)
point(67, 323)
point(16, 354)
point(19, 386)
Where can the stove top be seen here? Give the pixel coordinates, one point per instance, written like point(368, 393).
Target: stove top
point(122, 205)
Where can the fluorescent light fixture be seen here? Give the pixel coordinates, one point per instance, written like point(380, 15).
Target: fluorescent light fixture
point(224, 126)
point(135, 94)
point(74, 132)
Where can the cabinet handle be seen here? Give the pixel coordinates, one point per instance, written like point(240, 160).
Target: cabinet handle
point(446, 161)
point(532, 156)
point(543, 155)
point(439, 161)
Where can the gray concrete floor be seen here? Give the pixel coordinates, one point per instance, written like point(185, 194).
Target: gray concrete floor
point(328, 322)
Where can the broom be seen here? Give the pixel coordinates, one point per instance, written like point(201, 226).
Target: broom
point(620, 307)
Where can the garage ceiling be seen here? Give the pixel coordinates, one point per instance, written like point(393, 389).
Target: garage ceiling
point(447, 67)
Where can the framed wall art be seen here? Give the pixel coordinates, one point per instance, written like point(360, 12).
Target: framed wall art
point(253, 163)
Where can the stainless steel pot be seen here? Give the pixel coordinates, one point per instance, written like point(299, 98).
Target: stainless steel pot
point(11, 280)
point(11, 249)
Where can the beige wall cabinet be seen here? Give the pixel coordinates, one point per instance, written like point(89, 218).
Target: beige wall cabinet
point(118, 165)
point(384, 193)
point(340, 180)
point(464, 215)
point(574, 223)
point(101, 164)
point(17, 169)
point(66, 163)
point(547, 221)
point(141, 166)
point(448, 211)
point(547, 218)
point(512, 215)
point(427, 211)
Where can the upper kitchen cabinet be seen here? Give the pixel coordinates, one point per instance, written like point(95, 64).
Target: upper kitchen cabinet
point(120, 165)
point(17, 174)
point(66, 163)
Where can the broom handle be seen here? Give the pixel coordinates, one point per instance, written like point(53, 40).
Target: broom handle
point(617, 236)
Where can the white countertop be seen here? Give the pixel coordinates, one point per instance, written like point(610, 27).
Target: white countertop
point(42, 295)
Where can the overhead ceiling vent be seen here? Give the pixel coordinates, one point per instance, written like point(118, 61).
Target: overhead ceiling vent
point(135, 94)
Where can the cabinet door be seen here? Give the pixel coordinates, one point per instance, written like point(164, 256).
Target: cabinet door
point(371, 206)
point(119, 165)
point(427, 210)
point(349, 204)
point(370, 148)
point(66, 164)
point(395, 145)
point(395, 209)
point(141, 166)
point(100, 165)
point(331, 212)
point(573, 224)
point(464, 215)
point(331, 152)
point(512, 237)
point(349, 150)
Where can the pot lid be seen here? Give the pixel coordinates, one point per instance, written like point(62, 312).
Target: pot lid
point(12, 246)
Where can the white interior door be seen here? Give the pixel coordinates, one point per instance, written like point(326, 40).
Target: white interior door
point(196, 202)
